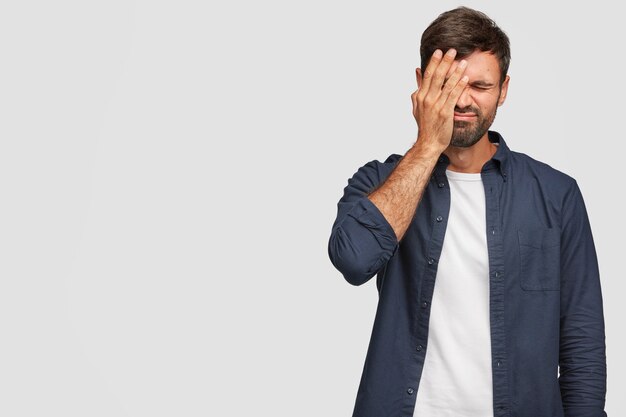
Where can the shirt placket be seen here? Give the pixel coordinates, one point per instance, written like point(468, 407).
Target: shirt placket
point(440, 211)
point(493, 182)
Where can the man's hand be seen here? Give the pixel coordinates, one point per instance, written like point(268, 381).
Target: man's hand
point(433, 107)
point(434, 101)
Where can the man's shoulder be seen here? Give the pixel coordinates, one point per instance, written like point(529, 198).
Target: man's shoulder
point(393, 159)
point(526, 166)
point(374, 172)
point(381, 167)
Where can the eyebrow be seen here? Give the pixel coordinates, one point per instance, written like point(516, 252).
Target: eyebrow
point(477, 83)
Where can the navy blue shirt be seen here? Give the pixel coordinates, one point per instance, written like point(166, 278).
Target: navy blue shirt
point(545, 301)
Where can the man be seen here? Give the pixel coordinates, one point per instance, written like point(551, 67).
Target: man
point(489, 292)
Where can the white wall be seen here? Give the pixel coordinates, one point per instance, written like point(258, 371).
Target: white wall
point(169, 172)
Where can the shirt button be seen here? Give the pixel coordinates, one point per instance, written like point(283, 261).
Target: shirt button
point(498, 363)
point(419, 348)
point(410, 391)
point(425, 304)
point(431, 261)
point(493, 231)
point(498, 274)
point(440, 185)
point(439, 218)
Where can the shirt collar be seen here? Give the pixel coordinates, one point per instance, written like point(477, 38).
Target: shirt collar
point(502, 155)
point(500, 159)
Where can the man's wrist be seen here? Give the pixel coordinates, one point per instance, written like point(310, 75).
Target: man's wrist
point(427, 148)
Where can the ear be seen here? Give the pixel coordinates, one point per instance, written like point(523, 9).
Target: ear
point(418, 75)
point(503, 90)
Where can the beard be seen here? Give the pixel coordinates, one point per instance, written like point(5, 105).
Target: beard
point(466, 134)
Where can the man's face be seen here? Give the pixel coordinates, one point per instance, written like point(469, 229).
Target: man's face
point(476, 108)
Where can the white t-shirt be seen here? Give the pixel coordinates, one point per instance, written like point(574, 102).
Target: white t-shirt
point(456, 380)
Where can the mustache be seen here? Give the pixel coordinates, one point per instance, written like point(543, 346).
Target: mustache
point(467, 110)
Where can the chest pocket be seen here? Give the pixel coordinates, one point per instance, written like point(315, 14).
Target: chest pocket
point(540, 255)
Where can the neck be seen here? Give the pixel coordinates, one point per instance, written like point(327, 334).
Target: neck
point(472, 159)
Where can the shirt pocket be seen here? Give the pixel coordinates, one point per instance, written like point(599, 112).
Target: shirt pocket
point(540, 256)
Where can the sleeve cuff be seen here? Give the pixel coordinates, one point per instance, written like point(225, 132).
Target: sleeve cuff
point(366, 213)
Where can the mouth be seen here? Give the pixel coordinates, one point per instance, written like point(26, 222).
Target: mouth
point(464, 116)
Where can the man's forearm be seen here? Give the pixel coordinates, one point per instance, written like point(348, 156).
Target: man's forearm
point(398, 196)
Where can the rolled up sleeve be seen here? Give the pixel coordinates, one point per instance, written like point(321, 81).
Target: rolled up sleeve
point(361, 240)
point(582, 357)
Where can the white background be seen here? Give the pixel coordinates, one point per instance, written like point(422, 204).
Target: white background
point(169, 173)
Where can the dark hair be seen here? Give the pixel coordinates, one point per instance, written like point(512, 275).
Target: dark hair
point(466, 30)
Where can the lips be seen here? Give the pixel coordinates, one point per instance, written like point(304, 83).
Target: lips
point(464, 116)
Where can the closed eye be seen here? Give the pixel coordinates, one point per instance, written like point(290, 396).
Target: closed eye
point(481, 86)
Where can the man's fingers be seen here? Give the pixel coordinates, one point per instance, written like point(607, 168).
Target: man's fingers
point(454, 78)
point(441, 71)
point(442, 68)
point(453, 68)
point(427, 75)
point(456, 92)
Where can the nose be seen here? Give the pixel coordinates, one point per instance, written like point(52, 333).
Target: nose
point(465, 99)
